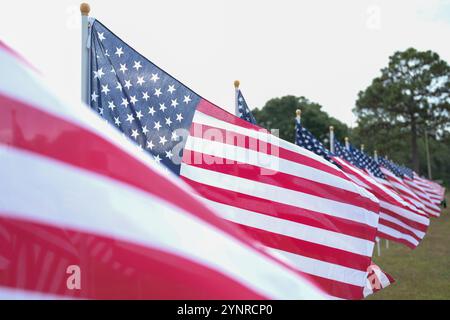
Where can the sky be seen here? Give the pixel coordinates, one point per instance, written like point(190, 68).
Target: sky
point(326, 51)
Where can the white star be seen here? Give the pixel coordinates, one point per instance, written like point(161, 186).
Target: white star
point(119, 86)
point(162, 107)
point(105, 89)
point(179, 117)
point(162, 140)
point(123, 68)
point(169, 154)
point(150, 145)
point(151, 110)
point(106, 53)
point(130, 118)
point(154, 77)
point(133, 100)
point(134, 134)
point(157, 126)
point(112, 70)
point(171, 89)
point(117, 121)
point(125, 102)
point(100, 110)
point(174, 136)
point(99, 73)
point(139, 115)
point(140, 81)
point(119, 51)
point(157, 92)
point(101, 36)
point(187, 99)
point(145, 95)
point(111, 105)
point(144, 129)
point(128, 84)
point(157, 158)
point(94, 96)
point(174, 103)
point(168, 121)
point(137, 65)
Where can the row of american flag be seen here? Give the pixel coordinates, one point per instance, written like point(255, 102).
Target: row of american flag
point(154, 192)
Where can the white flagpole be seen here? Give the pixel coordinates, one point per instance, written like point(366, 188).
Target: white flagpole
point(85, 9)
point(299, 115)
point(236, 97)
point(362, 147)
point(332, 139)
point(347, 143)
point(375, 155)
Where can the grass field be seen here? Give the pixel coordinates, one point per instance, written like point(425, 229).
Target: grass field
point(422, 273)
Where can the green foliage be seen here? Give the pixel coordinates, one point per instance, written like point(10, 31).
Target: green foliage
point(279, 113)
point(411, 95)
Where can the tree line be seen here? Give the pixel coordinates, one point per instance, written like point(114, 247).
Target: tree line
point(405, 107)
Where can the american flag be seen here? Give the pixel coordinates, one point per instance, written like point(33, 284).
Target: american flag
point(404, 180)
point(76, 195)
point(243, 108)
point(400, 221)
point(300, 207)
point(304, 138)
point(344, 153)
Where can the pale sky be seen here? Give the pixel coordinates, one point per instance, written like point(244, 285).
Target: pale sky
point(324, 50)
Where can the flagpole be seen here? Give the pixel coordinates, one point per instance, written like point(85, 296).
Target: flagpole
point(236, 95)
point(347, 143)
point(298, 112)
point(375, 155)
point(84, 9)
point(332, 139)
point(362, 147)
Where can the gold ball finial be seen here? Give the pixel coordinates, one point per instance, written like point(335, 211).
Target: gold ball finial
point(236, 84)
point(331, 128)
point(85, 9)
point(298, 112)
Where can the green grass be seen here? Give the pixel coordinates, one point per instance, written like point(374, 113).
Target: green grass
point(422, 273)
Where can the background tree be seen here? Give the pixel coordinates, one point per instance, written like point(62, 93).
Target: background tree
point(279, 113)
point(411, 95)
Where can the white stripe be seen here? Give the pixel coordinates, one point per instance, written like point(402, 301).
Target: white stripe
point(323, 269)
point(371, 180)
point(405, 213)
point(267, 161)
point(394, 233)
point(19, 294)
point(293, 229)
point(387, 217)
point(205, 119)
point(278, 194)
point(51, 192)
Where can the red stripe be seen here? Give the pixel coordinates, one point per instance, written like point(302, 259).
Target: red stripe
point(413, 224)
point(284, 211)
point(309, 249)
point(280, 179)
point(400, 229)
point(282, 152)
point(332, 287)
point(38, 255)
point(398, 240)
